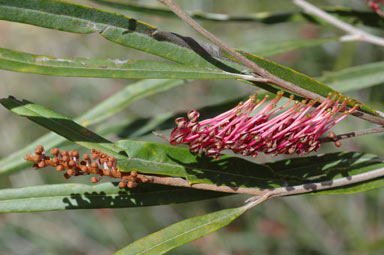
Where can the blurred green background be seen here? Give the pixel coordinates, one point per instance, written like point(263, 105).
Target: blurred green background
point(343, 224)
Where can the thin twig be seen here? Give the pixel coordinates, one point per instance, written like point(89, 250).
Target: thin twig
point(352, 134)
point(259, 71)
point(269, 193)
point(353, 33)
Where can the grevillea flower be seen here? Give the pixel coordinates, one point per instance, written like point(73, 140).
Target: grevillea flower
point(294, 127)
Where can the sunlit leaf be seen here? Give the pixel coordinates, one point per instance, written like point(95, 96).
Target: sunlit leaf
point(105, 195)
point(182, 232)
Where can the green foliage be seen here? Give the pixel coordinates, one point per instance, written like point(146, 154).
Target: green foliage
point(182, 59)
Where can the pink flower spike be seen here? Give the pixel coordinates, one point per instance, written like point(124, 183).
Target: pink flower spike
point(273, 130)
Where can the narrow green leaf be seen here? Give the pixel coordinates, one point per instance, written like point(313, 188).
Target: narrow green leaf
point(182, 232)
point(61, 125)
point(105, 195)
point(236, 172)
point(103, 68)
point(97, 114)
point(270, 48)
point(355, 78)
point(120, 29)
point(300, 80)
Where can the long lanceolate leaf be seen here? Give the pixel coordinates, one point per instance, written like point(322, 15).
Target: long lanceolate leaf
point(100, 112)
point(105, 195)
point(61, 124)
point(132, 33)
point(355, 78)
point(104, 68)
point(124, 30)
point(182, 232)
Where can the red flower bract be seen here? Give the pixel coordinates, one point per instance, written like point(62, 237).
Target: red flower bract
point(288, 129)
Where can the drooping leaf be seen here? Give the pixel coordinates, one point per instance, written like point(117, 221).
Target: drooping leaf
point(104, 68)
point(61, 125)
point(182, 232)
point(104, 195)
point(355, 78)
point(97, 114)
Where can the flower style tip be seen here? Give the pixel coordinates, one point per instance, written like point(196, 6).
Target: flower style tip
point(291, 128)
point(98, 163)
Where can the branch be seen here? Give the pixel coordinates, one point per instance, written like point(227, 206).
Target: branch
point(268, 193)
point(353, 34)
point(259, 71)
point(351, 134)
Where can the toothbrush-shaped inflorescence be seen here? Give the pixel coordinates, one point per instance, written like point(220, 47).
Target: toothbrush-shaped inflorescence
point(294, 127)
point(98, 163)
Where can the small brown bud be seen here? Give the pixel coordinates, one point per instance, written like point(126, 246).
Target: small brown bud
point(123, 184)
point(36, 167)
point(55, 151)
point(94, 179)
point(109, 164)
point(131, 185)
point(64, 153)
point(331, 135)
point(71, 163)
point(144, 179)
point(60, 168)
point(37, 158)
point(67, 176)
point(338, 143)
point(95, 165)
point(107, 172)
point(55, 161)
point(86, 157)
point(29, 157)
point(75, 154)
point(65, 158)
point(84, 168)
point(42, 164)
point(39, 150)
point(70, 172)
point(133, 173)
